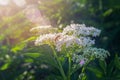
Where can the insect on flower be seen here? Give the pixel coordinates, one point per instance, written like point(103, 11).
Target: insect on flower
point(57, 37)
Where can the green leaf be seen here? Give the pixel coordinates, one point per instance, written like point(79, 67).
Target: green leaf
point(103, 65)
point(18, 47)
point(108, 12)
point(29, 60)
point(96, 71)
point(5, 66)
point(117, 62)
point(30, 39)
point(110, 68)
point(32, 55)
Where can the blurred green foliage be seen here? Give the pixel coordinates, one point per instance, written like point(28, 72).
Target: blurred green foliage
point(21, 60)
point(105, 71)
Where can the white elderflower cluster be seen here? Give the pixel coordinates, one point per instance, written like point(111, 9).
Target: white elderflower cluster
point(59, 39)
point(95, 53)
point(44, 39)
point(88, 54)
point(85, 41)
point(69, 41)
point(81, 30)
point(80, 59)
point(75, 35)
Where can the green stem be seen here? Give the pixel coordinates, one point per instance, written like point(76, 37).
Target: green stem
point(78, 67)
point(84, 67)
point(69, 67)
point(83, 71)
point(60, 66)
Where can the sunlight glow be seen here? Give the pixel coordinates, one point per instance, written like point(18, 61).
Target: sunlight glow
point(41, 27)
point(4, 2)
point(33, 14)
point(20, 3)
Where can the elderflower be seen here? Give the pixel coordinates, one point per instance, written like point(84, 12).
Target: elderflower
point(95, 52)
point(76, 36)
point(88, 54)
point(43, 39)
point(81, 30)
point(59, 39)
point(69, 41)
point(79, 59)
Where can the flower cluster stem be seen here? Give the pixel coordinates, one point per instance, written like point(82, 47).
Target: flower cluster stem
point(59, 63)
point(69, 67)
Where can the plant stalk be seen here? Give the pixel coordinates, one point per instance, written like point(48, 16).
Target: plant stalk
point(59, 63)
point(69, 67)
